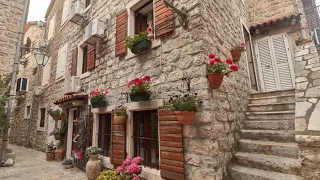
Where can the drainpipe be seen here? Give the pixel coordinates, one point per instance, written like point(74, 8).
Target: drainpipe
point(13, 80)
point(300, 11)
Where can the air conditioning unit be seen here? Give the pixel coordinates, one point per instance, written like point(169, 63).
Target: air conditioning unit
point(94, 31)
point(77, 10)
point(316, 36)
point(73, 85)
point(22, 85)
point(38, 90)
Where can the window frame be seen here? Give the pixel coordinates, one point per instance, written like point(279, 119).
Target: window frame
point(87, 7)
point(84, 68)
point(105, 120)
point(39, 128)
point(61, 61)
point(46, 73)
point(26, 115)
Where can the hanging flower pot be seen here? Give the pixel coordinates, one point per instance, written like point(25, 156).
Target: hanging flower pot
point(140, 42)
point(50, 156)
point(58, 118)
point(143, 96)
point(215, 80)
point(98, 98)
point(236, 54)
point(99, 104)
point(185, 117)
point(139, 89)
point(56, 115)
point(141, 46)
point(119, 120)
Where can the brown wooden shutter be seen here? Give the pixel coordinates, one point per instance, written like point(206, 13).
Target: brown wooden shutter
point(164, 21)
point(118, 152)
point(91, 58)
point(171, 149)
point(74, 62)
point(121, 33)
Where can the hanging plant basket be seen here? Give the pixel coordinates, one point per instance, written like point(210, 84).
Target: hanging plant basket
point(236, 54)
point(141, 46)
point(140, 97)
point(57, 118)
point(185, 117)
point(215, 80)
point(99, 104)
point(119, 120)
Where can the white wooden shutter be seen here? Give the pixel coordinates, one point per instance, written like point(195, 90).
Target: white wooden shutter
point(46, 73)
point(51, 27)
point(65, 11)
point(62, 61)
point(265, 63)
point(58, 71)
point(281, 57)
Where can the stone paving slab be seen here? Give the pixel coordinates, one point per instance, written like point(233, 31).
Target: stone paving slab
point(31, 165)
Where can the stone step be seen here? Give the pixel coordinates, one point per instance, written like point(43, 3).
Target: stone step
point(269, 135)
point(246, 173)
point(273, 93)
point(272, 107)
point(269, 162)
point(275, 115)
point(269, 124)
point(290, 150)
point(273, 99)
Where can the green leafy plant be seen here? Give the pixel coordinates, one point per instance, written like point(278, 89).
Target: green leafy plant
point(139, 85)
point(120, 110)
point(55, 113)
point(4, 97)
point(93, 150)
point(131, 41)
point(98, 97)
point(300, 40)
point(109, 175)
point(187, 102)
point(51, 147)
point(217, 66)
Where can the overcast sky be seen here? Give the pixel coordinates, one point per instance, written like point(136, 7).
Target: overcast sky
point(38, 9)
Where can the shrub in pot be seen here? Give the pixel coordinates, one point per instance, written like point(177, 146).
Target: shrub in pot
point(57, 115)
point(93, 167)
point(98, 98)
point(236, 52)
point(120, 115)
point(59, 152)
point(139, 89)
point(185, 107)
point(217, 69)
point(109, 175)
point(50, 151)
point(140, 42)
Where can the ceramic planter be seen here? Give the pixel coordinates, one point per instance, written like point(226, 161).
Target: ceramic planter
point(236, 54)
point(99, 104)
point(93, 167)
point(141, 46)
point(50, 156)
point(59, 153)
point(58, 118)
point(185, 117)
point(119, 120)
point(215, 80)
point(140, 97)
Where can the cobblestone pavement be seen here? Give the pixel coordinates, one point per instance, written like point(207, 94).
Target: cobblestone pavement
point(31, 165)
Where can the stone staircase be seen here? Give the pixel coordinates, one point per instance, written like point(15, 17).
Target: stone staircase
point(267, 150)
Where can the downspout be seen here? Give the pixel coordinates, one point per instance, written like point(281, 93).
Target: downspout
point(300, 11)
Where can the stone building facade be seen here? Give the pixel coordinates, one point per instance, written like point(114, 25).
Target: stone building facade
point(10, 17)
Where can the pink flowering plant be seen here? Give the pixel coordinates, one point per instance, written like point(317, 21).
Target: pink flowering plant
point(140, 85)
point(130, 168)
point(241, 47)
point(120, 110)
point(98, 98)
point(217, 66)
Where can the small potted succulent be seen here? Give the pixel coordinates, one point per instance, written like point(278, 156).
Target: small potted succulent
point(93, 167)
point(120, 115)
point(57, 115)
point(185, 107)
point(67, 163)
point(140, 42)
point(139, 89)
point(301, 41)
point(130, 168)
point(217, 69)
point(236, 52)
point(98, 98)
point(50, 151)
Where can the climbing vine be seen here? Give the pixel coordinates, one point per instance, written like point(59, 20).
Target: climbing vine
point(4, 95)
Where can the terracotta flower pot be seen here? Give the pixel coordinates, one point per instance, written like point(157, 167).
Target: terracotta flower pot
point(236, 54)
point(215, 80)
point(185, 117)
point(59, 153)
point(93, 167)
point(119, 120)
point(58, 118)
point(50, 156)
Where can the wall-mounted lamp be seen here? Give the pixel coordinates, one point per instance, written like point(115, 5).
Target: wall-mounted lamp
point(182, 14)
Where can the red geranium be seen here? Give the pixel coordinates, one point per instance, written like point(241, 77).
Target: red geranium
point(217, 66)
point(139, 85)
point(211, 56)
point(229, 61)
point(234, 67)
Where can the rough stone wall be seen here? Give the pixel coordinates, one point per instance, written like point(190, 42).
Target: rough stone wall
point(10, 17)
point(19, 126)
point(307, 70)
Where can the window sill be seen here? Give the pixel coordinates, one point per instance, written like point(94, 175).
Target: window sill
point(64, 24)
point(40, 129)
point(87, 9)
point(26, 118)
point(85, 75)
point(60, 79)
point(150, 174)
point(155, 43)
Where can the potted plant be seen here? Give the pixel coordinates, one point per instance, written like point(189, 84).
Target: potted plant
point(58, 133)
point(93, 166)
point(140, 42)
point(98, 98)
point(185, 107)
point(109, 175)
point(67, 163)
point(59, 152)
point(57, 115)
point(130, 168)
point(236, 52)
point(120, 115)
point(139, 89)
point(301, 41)
point(217, 69)
point(50, 151)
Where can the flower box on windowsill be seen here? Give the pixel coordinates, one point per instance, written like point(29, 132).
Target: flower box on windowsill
point(141, 46)
point(99, 104)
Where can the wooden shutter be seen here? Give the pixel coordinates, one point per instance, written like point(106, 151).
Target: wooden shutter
point(91, 58)
point(171, 149)
point(74, 62)
point(164, 20)
point(121, 33)
point(118, 138)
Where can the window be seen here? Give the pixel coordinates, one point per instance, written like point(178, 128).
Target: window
point(143, 17)
point(42, 119)
point(51, 27)
point(22, 84)
point(27, 112)
point(61, 62)
point(87, 3)
point(85, 59)
point(65, 12)
point(46, 73)
point(145, 135)
point(104, 134)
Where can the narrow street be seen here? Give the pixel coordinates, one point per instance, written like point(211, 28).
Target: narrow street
point(32, 165)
